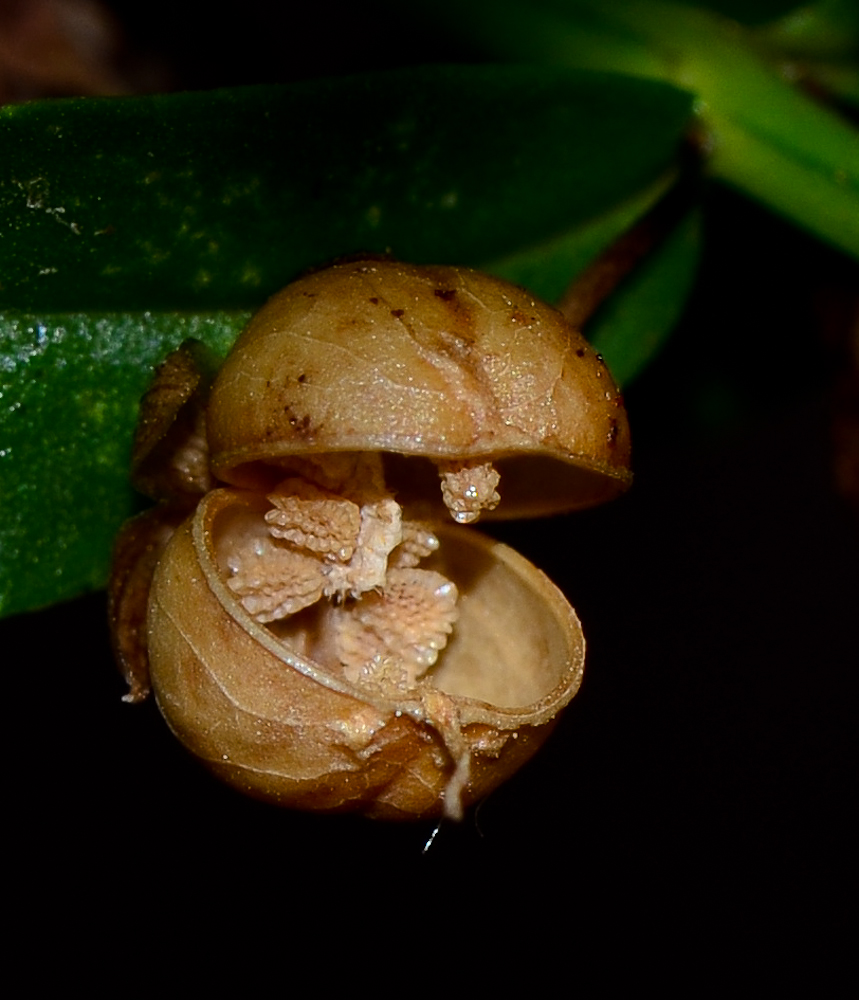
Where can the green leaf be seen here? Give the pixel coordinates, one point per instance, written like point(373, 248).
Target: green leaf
point(747, 11)
point(631, 327)
point(69, 389)
point(765, 137)
point(752, 121)
point(548, 268)
point(818, 44)
point(826, 29)
point(216, 200)
point(209, 202)
point(826, 201)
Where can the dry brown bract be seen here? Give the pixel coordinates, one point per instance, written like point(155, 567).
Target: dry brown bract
point(320, 630)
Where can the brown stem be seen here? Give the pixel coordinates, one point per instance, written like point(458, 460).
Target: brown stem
point(602, 276)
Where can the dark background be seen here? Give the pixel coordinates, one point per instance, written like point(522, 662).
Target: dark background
point(704, 776)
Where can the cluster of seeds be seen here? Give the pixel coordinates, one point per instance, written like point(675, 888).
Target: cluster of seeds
point(333, 531)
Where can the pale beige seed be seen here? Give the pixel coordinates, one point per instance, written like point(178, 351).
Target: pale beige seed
point(314, 518)
point(272, 580)
point(468, 488)
point(393, 637)
point(354, 478)
point(379, 534)
point(419, 541)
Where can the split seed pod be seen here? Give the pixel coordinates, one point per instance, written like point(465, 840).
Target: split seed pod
point(322, 630)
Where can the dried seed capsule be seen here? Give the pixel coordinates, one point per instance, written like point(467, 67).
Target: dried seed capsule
point(323, 632)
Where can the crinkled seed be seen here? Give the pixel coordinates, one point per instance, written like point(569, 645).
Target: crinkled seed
point(271, 579)
point(468, 488)
point(393, 637)
point(314, 518)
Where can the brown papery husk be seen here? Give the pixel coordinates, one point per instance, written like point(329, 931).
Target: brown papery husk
point(424, 365)
point(284, 728)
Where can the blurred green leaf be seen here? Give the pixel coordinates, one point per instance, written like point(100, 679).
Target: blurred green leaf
point(827, 29)
point(818, 45)
point(747, 11)
point(631, 327)
point(758, 133)
point(548, 268)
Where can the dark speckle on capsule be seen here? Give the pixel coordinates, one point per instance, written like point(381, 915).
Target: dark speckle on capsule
point(444, 293)
point(398, 312)
point(300, 425)
point(374, 300)
point(302, 379)
point(580, 352)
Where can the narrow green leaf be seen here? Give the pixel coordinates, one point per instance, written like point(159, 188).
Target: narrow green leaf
point(825, 202)
point(215, 200)
point(751, 118)
point(763, 132)
point(827, 29)
point(818, 45)
point(747, 11)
